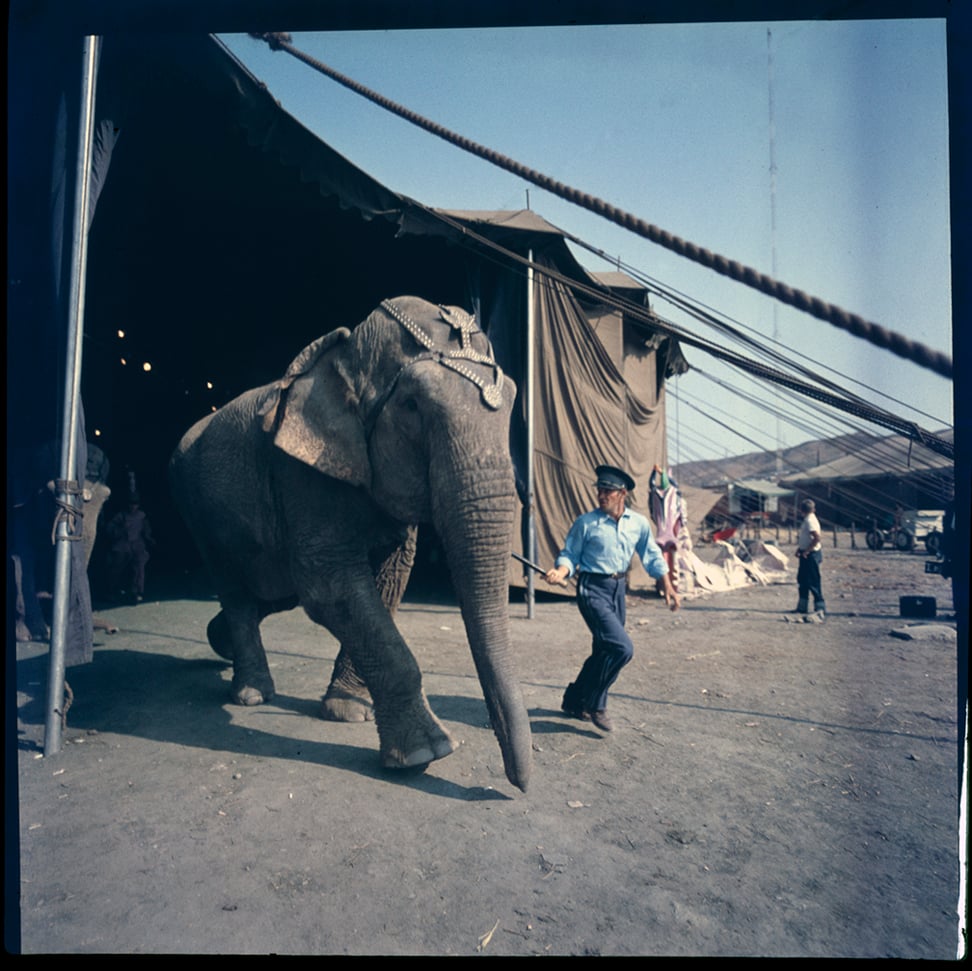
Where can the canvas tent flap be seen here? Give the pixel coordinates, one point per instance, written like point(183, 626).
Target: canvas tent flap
point(590, 415)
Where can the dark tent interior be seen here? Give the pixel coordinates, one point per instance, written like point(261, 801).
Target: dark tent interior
point(209, 255)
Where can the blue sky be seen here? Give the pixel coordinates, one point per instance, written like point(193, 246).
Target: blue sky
point(672, 123)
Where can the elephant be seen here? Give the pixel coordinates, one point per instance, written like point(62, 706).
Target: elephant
point(310, 490)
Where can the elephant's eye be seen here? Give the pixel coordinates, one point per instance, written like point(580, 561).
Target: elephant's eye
point(410, 404)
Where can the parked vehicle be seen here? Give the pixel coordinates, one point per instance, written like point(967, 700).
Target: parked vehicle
point(915, 525)
point(920, 524)
point(877, 538)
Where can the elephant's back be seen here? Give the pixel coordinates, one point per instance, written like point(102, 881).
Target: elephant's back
point(235, 426)
point(219, 470)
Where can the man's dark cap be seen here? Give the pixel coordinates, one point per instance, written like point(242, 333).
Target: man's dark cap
point(608, 477)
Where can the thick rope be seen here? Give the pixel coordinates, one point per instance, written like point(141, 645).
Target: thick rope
point(851, 405)
point(873, 333)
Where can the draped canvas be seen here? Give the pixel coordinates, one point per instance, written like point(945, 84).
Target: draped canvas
point(586, 414)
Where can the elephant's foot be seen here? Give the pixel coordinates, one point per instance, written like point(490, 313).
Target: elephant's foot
point(415, 741)
point(341, 705)
point(253, 690)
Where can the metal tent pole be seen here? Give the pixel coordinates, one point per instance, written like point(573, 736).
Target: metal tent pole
point(68, 493)
point(531, 498)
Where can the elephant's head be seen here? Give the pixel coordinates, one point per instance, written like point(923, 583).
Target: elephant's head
point(412, 407)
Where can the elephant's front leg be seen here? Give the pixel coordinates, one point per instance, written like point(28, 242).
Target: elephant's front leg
point(347, 698)
point(351, 609)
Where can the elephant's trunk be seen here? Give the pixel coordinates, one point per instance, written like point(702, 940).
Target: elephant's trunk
point(474, 516)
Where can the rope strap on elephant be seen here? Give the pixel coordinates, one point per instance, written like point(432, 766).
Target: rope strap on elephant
point(873, 333)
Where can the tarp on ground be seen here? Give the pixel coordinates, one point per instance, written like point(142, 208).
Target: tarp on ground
point(723, 569)
point(697, 570)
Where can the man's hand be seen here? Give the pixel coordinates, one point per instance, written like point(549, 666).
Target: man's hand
point(557, 576)
point(672, 599)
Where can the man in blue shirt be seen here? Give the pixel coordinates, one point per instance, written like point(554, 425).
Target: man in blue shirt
point(599, 548)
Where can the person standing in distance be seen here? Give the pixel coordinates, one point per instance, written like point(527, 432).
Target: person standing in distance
point(599, 548)
point(810, 555)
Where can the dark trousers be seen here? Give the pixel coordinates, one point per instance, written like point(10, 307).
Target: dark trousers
point(808, 581)
point(126, 571)
point(601, 603)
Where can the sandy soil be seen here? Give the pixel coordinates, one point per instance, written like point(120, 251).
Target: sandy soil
point(771, 788)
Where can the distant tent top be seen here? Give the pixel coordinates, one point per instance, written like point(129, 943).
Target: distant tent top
point(892, 455)
point(762, 487)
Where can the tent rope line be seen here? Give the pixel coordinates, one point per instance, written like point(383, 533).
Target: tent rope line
point(849, 403)
point(854, 406)
point(880, 454)
point(874, 494)
point(707, 316)
point(871, 332)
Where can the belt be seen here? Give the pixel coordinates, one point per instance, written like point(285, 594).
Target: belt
point(604, 576)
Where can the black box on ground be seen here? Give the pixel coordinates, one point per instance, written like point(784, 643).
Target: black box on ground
point(917, 606)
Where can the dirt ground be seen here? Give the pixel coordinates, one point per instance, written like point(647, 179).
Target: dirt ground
point(771, 788)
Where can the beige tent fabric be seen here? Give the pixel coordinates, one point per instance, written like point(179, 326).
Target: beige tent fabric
point(586, 415)
point(598, 382)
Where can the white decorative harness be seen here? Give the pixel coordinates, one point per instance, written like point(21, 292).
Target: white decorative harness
point(458, 320)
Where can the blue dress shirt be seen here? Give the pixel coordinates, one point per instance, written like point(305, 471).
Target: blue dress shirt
point(597, 543)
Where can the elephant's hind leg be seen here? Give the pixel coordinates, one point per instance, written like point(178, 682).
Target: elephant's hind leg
point(239, 634)
point(218, 635)
point(347, 698)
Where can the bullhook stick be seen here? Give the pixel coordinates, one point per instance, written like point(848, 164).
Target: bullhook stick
point(533, 566)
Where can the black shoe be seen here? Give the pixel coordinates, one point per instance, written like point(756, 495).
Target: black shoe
point(576, 713)
point(602, 720)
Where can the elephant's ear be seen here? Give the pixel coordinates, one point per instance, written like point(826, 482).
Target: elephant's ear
point(301, 364)
point(313, 414)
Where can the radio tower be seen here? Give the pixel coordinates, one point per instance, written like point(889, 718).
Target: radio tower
point(773, 273)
